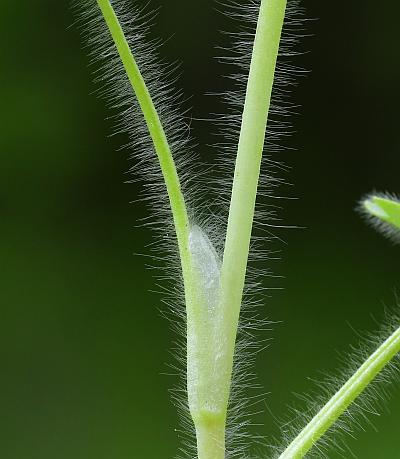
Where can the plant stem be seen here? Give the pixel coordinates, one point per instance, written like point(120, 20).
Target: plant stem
point(245, 183)
point(251, 145)
point(211, 441)
point(338, 404)
point(212, 319)
point(248, 162)
point(208, 417)
point(212, 328)
point(157, 133)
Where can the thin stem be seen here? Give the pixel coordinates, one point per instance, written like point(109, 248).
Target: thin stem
point(157, 133)
point(212, 317)
point(212, 327)
point(194, 247)
point(338, 404)
point(247, 170)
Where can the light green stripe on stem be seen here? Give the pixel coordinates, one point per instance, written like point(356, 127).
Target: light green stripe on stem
point(212, 331)
point(339, 403)
point(247, 170)
point(212, 327)
point(156, 131)
point(248, 162)
point(210, 432)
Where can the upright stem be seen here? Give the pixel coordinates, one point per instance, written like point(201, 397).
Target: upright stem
point(247, 171)
point(251, 145)
point(338, 404)
point(245, 184)
point(212, 319)
point(214, 348)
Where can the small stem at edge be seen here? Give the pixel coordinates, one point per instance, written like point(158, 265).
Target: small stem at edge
point(338, 404)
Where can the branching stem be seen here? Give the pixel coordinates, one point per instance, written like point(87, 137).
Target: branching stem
point(213, 349)
point(241, 214)
point(213, 292)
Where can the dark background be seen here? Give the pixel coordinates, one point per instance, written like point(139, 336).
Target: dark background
point(82, 343)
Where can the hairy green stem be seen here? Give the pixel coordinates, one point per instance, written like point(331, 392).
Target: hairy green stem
point(213, 298)
point(339, 403)
point(247, 170)
point(216, 375)
point(214, 335)
point(250, 150)
point(213, 291)
point(157, 133)
point(195, 252)
point(211, 440)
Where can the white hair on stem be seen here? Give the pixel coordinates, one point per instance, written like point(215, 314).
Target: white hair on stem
point(357, 413)
point(115, 87)
point(246, 393)
point(200, 230)
point(207, 231)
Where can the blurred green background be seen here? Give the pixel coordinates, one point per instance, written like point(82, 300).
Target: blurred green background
point(82, 343)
